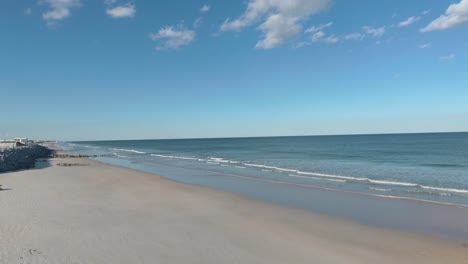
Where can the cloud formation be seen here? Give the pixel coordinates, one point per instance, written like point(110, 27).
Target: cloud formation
point(280, 20)
point(321, 37)
point(319, 27)
point(447, 58)
point(409, 21)
point(205, 8)
point(122, 11)
point(455, 15)
point(59, 10)
point(375, 32)
point(171, 37)
point(354, 36)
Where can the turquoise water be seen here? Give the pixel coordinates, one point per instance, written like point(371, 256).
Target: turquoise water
point(422, 166)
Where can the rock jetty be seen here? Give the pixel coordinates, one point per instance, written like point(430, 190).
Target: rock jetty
point(18, 158)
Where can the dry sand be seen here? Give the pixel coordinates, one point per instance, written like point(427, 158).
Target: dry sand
point(99, 213)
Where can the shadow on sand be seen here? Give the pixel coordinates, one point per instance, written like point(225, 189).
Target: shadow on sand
point(41, 164)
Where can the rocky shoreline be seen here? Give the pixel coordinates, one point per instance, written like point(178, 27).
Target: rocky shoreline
point(19, 158)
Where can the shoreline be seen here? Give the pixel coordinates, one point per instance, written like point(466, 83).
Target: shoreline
point(402, 198)
point(100, 213)
point(443, 220)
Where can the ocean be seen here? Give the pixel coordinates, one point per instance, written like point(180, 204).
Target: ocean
point(422, 166)
point(334, 175)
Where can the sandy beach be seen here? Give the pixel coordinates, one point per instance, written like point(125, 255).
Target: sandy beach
point(98, 213)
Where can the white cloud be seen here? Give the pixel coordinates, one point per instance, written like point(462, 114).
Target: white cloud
point(409, 21)
point(122, 11)
point(280, 20)
point(28, 11)
point(425, 12)
point(354, 36)
point(425, 46)
point(367, 31)
point(321, 37)
point(319, 27)
point(447, 58)
point(205, 8)
point(171, 37)
point(375, 32)
point(301, 45)
point(59, 10)
point(455, 15)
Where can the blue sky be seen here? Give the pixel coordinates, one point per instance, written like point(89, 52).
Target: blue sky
point(115, 69)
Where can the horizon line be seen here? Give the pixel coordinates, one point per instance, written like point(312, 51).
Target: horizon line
point(246, 137)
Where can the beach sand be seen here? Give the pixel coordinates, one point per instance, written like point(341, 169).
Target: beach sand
point(98, 213)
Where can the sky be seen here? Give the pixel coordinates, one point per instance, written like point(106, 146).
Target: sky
point(148, 69)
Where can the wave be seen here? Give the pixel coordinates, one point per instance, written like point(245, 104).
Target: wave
point(131, 150)
point(94, 147)
point(221, 160)
point(269, 167)
point(120, 156)
point(310, 175)
point(315, 178)
point(405, 184)
point(176, 157)
point(444, 189)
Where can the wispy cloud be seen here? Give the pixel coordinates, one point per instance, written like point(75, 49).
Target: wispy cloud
point(374, 32)
point(455, 15)
point(321, 37)
point(59, 10)
point(425, 46)
point(205, 8)
point(28, 11)
point(280, 20)
point(354, 36)
point(447, 57)
point(409, 21)
point(319, 27)
point(173, 37)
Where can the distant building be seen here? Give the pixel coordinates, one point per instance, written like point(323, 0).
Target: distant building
point(22, 140)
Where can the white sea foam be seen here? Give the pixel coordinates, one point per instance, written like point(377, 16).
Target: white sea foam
point(444, 189)
point(130, 150)
point(349, 178)
point(220, 160)
point(380, 190)
point(269, 167)
point(90, 147)
point(120, 156)
point(406, 184)
point(176, 157)
point(315, 178)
